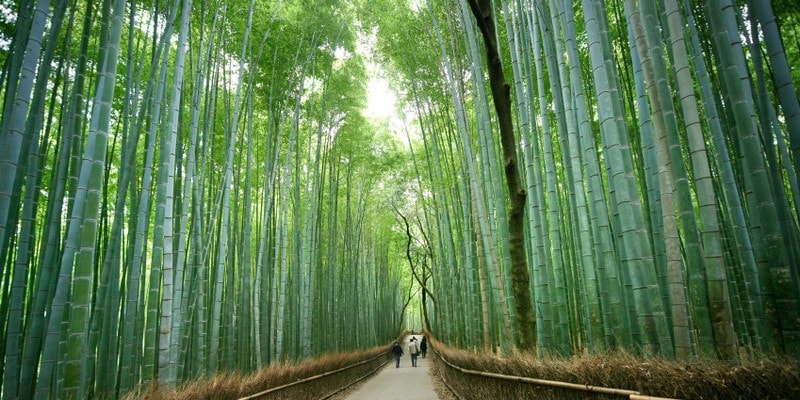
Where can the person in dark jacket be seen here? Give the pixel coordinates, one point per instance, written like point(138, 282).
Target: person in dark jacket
point(423, 347)
point(397, 350)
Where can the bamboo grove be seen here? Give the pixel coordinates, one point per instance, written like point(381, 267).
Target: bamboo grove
point(188, 187)
point(191, 186)
point(658, 146)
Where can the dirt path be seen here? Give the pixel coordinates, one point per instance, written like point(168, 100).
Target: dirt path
point(403, 383)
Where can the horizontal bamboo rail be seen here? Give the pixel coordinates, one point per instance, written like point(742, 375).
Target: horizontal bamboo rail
point(318, 376)
point(630, 394)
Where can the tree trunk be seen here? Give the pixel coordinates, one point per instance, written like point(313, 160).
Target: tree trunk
point(516, 213)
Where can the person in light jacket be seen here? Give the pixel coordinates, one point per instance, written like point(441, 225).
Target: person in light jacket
point(413, 350)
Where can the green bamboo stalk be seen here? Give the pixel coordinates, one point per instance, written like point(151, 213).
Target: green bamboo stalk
point(595, 297)
point(82, 231)
point(13, 152)
point(781, 75)
point(756, 328)
point(13, 331)
point(635, 253)
point(558, 260)
point(716, 276)
point(779, 296)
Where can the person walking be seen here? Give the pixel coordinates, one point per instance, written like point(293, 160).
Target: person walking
point(397, 350)
point(413, 350)
point(423, 347)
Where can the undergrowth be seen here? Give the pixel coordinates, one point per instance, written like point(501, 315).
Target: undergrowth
point(229, 386)
point(769, 378)
point(765, 378)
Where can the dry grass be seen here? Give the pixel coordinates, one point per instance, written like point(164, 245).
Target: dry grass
point(767, 378)
point(233, 386)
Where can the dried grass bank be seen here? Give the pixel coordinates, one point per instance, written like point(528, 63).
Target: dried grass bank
point(315, 379)
point(768, 378)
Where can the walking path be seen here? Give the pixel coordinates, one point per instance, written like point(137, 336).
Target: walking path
point(401, 383)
